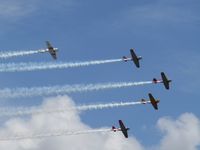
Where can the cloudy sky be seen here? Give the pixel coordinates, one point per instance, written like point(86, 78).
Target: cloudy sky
point(164, 32)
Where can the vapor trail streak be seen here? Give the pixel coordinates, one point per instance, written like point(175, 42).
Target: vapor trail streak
point(19, 67)
point(65, 89)
point(34, 110)
point(20, 136)
point(9, 54)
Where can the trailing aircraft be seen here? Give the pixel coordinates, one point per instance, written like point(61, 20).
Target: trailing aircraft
point(122, 128)
point(164, 80)
point(151, 100)
point(133, 58)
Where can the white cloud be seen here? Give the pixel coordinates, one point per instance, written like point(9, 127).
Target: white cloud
point(180, 134)
point(69, 120)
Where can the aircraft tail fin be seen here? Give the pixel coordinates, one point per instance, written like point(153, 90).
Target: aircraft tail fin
point(124, 58)
point(143, 101)
point(113, 128)
point(154, 80)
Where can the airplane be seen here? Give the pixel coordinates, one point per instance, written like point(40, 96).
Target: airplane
point(152, 100)
point(133, 58)
point(52, 50)
point(122, 128)
point(164, 80)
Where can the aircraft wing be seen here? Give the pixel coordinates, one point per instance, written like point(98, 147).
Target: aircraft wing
point(49, 46)
point(123, 128)
point(134, 58)
point(153, 101)
point(53, 54)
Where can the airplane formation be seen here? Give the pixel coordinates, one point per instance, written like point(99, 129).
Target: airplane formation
point(133, 57)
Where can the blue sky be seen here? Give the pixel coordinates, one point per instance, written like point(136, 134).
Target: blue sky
point(164, 32)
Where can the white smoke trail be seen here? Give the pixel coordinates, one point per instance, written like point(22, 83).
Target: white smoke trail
point(65, 89)
point(18, 67)
point(20, 136)
point(34, 110)
point(5, 55)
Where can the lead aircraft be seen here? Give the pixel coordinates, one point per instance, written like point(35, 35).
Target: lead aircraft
point(152, 101)
point(122, 128)
point(52, 50)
